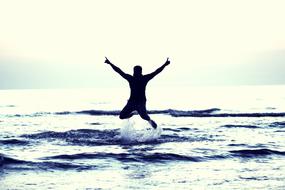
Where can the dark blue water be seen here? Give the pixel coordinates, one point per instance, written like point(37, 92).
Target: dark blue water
point(82, 148)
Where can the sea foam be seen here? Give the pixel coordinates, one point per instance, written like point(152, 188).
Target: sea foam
point(137, 130)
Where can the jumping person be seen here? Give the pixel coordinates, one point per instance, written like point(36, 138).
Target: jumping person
point(137, 83)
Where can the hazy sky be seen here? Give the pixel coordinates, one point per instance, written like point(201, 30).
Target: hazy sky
point(62, 43)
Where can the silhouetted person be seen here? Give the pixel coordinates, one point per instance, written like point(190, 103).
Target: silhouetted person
point(137, 83)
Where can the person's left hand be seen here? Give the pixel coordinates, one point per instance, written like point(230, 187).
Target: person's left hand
point(167, 62)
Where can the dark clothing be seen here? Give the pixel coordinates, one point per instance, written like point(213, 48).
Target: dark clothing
point(138, 85)
point(137, 98)
point(134, 106)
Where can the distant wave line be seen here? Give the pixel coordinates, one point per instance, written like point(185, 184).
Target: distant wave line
point(212, 112)
point(180, 113)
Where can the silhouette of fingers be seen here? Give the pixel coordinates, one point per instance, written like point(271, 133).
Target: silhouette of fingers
point(107, 60)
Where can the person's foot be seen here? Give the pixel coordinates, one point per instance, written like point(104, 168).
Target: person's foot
point(153, 124)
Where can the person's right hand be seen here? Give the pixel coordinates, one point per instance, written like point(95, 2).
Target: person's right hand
point(107, 61)
point(167, 62)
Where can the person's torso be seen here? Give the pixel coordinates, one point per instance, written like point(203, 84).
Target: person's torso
point(138, 87)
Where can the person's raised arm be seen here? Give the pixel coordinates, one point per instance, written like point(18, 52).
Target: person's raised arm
point(117, 69)
point(153, 74)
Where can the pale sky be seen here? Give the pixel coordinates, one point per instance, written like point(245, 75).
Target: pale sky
point(62, 43)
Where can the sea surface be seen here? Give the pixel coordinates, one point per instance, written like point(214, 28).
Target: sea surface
point(207, 138)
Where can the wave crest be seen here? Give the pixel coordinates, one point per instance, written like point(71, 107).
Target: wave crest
point(256, 152)
point(127, 157)
point(5, 160)
point(14, 142)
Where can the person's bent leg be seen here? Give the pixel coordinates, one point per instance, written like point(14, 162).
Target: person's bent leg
point(126, 113)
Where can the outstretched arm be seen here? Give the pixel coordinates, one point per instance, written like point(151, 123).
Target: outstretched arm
point(117, 69)
point(153, 74)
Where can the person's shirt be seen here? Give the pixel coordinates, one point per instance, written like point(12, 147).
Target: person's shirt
point(137, 83)
point(138, 87)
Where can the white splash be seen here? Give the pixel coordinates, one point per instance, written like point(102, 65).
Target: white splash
point(137, 130)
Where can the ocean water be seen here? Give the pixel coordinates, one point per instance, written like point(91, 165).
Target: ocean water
point(208, 138)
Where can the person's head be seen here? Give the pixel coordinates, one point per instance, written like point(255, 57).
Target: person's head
point(137, 70)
